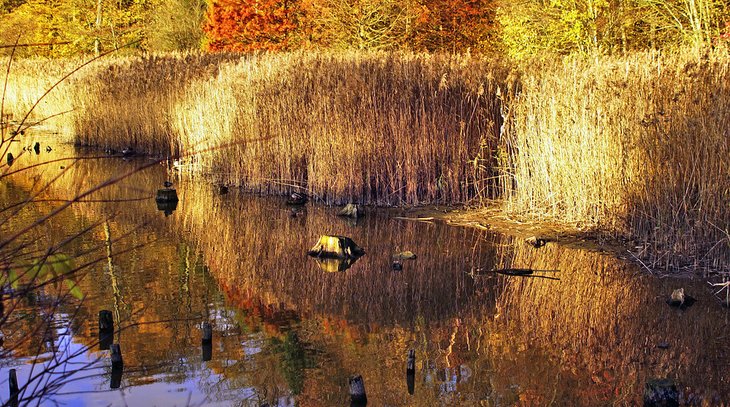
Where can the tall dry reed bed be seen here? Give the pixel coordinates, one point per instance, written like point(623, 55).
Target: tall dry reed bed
point(376, 128)
point(636, 146)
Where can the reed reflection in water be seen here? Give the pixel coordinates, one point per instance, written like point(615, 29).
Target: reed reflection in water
point(286, 330)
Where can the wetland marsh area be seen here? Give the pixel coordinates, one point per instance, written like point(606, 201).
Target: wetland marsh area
point(213, 300)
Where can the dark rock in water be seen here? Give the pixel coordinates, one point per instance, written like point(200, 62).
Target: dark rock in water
point(536, 242)
point(297, 198)
point(680, 300)
point(37, 147)
point(397, 266)
point(661, 393)
point(338, 247)
point(406, 255)
point(11, 159)
point(663, 345)
point(222, 189)
point(352, 211)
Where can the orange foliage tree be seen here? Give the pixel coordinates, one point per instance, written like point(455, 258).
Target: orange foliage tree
point(250, 25)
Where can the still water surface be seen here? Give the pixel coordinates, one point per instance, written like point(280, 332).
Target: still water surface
point(288, 330)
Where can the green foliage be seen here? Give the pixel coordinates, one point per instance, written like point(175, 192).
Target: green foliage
point(176, 25)
point(56, 267)
point(539, 27)
point(72, 25)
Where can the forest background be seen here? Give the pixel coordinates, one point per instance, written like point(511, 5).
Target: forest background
point(519, 29)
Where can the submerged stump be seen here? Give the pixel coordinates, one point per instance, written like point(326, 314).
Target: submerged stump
point(336, 247)
point(352, 211)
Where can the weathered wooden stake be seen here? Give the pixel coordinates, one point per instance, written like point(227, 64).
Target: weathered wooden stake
point(13, 384)
point(116, 379)
point(357, 391)
point(207, 333)
point(411, 371)
point(207, 352)
point(106, 321)
point(411, 362)
point(117, 362)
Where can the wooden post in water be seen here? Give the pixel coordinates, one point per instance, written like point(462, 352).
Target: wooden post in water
point(357, 392)
point(207, 341)
point(106, 321)
point(106, 329)
point(411, 371)
point(411, 362)
point(117, 362)
point(14, 390)
point(207, 333)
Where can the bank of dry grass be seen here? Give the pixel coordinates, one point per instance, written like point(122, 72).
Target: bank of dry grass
point(636, 146)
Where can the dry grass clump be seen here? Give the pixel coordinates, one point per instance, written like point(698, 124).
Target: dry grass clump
point(636, 146)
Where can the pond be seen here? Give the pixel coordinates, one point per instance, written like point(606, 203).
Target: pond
point(583, 328)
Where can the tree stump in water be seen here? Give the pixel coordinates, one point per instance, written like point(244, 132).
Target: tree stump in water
point(336, 247)
point(352, 211)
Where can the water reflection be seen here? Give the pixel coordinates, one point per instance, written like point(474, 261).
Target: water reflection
point(492, 321)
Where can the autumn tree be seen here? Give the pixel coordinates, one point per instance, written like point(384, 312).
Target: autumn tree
point(248, 25)
point(453, 25)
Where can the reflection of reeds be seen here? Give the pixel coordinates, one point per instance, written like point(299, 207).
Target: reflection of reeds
point(605, 319)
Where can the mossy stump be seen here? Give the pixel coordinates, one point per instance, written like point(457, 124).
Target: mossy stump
point(336, 247)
